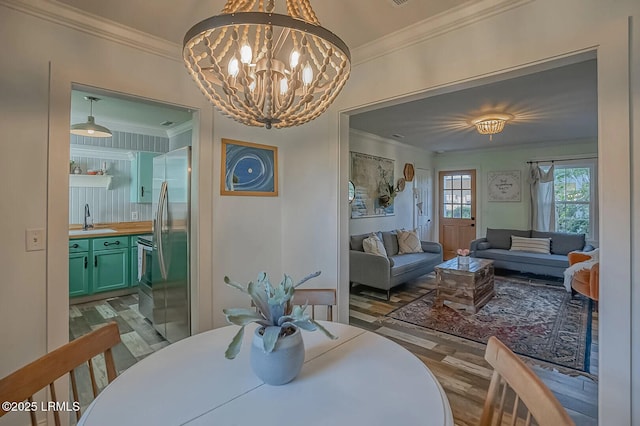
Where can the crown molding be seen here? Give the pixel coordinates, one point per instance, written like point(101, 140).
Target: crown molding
point(79, 20)
point(117, 126)
point(447, 21)
point(148, 131)
point(526, 145)
point(180, 128)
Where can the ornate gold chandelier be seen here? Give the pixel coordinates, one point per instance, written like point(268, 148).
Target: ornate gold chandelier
point(267, 69)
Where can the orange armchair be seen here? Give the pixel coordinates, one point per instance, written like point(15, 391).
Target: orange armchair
point(587, 281)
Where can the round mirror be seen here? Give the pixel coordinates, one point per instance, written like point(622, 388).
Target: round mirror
point(352, 191)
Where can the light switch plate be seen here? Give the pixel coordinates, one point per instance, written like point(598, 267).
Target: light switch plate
point(35, 239)
point(134, 215)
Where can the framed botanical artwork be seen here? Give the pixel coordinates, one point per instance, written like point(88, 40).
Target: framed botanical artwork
point(504, 186)
point(249, 169)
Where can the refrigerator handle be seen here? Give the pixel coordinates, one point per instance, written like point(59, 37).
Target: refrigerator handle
point(156, 219)
point(159, 226)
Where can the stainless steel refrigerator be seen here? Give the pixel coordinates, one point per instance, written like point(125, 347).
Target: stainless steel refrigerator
point(170, 256)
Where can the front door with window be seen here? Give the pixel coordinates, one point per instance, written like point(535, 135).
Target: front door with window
point(457, 217)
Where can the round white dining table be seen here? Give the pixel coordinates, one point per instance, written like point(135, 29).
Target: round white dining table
point(359, 379)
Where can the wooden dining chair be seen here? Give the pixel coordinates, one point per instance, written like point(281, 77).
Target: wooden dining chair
point(539, 403)
point(316, 297)
point(22, 384)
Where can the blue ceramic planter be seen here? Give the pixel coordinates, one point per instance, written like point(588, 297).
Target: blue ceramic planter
point(283, 364)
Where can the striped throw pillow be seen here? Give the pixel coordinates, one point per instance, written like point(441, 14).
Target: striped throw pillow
point(531, 245)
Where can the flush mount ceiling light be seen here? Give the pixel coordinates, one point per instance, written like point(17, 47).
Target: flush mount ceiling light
point(90, 128)
point(267, 69)
point(491, 124)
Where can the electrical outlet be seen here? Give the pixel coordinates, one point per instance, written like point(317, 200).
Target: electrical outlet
point(35, 239)
point(134, 215)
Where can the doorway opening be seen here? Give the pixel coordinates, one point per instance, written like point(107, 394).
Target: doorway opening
point(461, 195)
point(129, 202)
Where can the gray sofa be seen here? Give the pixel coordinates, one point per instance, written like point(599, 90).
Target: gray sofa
point(496, 245)
point(387, 272)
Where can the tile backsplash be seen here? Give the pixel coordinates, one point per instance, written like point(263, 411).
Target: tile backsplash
point(114, 205)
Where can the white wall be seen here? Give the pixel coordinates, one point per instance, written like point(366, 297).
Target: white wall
point(512, 215)
point(293, 233)
point(403, 204)
point(527, 36)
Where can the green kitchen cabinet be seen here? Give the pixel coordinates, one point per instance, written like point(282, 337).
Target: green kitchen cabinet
point(142, 177)
point(102, 264)
point(110, 270)
point(111, 263)
point(78, 268)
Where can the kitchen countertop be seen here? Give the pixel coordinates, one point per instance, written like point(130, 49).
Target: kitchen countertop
point(120, 228)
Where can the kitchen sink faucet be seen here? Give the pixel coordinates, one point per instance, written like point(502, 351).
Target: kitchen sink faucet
point(88, 222)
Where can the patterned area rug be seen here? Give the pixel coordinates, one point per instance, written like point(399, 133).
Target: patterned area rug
point(538, 321)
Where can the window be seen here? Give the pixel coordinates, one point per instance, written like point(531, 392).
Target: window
point(574, 187)
point(457, 196)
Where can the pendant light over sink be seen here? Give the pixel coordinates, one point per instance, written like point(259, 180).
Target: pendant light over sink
point(90, 128)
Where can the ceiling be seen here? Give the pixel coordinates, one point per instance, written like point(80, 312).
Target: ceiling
point(558, 104)
point(127, 114)
point(357, 22)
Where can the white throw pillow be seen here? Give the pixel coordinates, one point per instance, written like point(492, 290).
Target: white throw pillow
point(408, 242)
point(373, 245)
point(531, 245)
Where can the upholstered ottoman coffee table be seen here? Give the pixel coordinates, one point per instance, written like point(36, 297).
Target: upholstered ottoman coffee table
point(464, 288)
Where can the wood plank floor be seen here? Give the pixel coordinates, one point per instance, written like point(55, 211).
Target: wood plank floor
point(459, 364)
point(139, 338)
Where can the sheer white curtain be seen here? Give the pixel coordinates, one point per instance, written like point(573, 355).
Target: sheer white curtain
point(543, 209)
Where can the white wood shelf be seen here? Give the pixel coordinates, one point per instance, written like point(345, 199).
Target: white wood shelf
point(90, 181)
point(101, 152)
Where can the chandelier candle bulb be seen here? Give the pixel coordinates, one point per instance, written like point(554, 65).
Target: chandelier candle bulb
point(307, 75)
point(245, 54)
point(233, 67)
point(293, 61)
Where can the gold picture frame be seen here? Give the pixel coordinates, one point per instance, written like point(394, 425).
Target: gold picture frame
point(248, 169)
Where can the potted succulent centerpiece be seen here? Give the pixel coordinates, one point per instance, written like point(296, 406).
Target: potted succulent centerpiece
point(277, 350)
